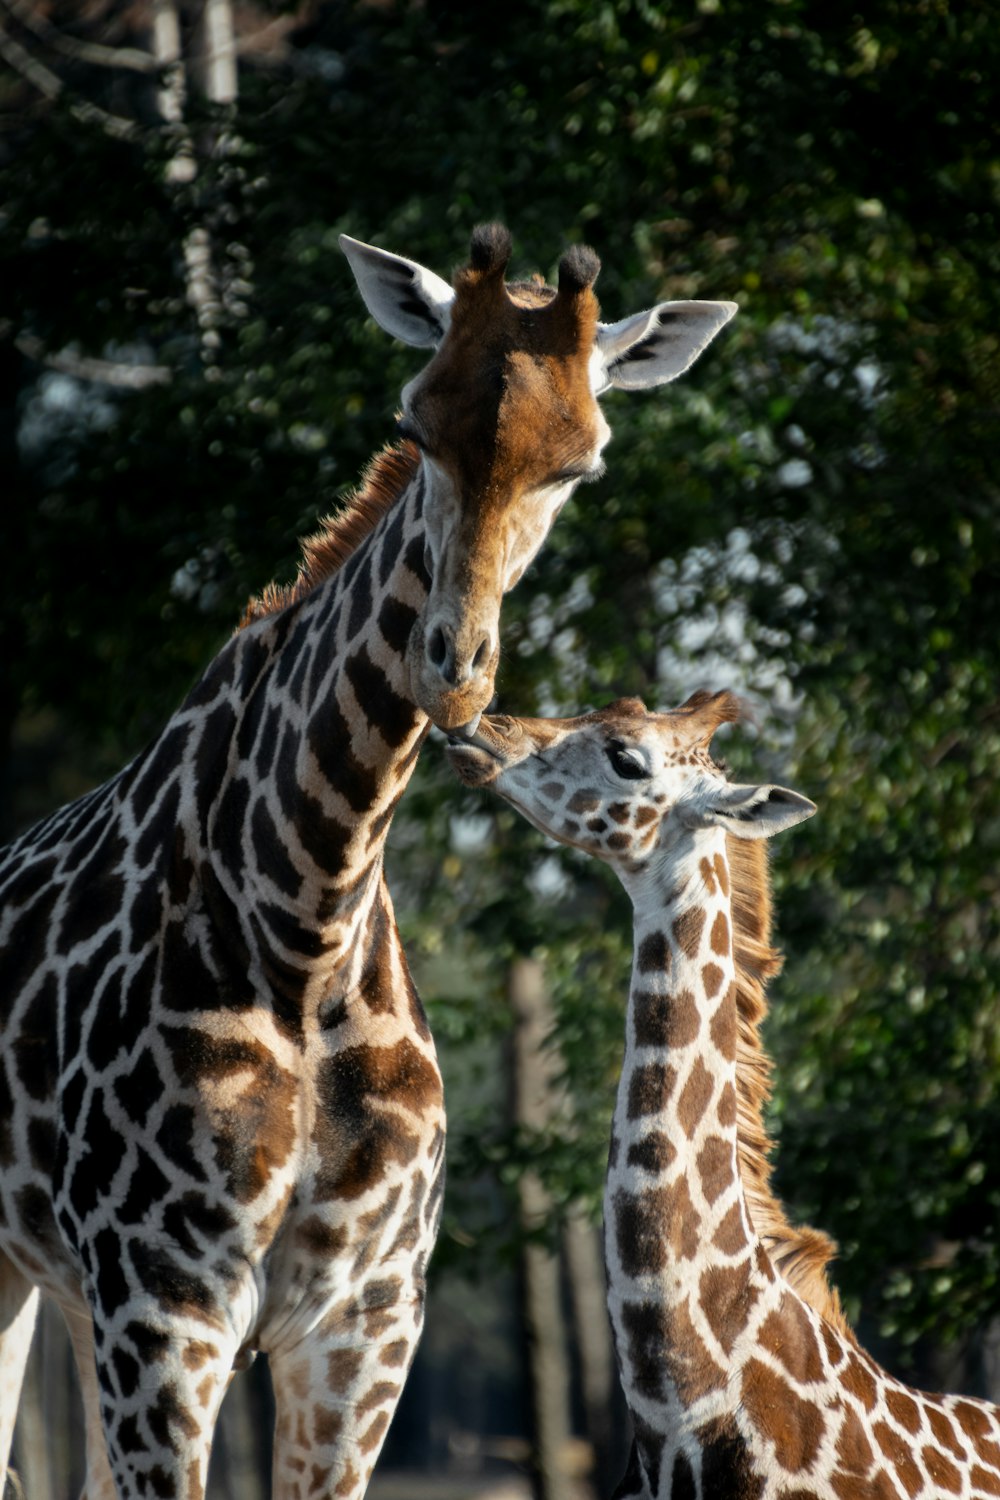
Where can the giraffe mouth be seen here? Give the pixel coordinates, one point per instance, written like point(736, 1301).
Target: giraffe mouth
point(473, 763)
point(480, 750)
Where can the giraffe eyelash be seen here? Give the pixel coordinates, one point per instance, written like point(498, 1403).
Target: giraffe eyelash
point(627, 763)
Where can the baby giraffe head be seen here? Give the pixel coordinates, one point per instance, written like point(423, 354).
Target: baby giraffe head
point(623, 783)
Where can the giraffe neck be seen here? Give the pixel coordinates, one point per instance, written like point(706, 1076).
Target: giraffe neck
point(683, 1261)
point(305, 737)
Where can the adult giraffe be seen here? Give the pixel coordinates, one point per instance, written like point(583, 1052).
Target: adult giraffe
point(221, 1123)
point(742, 1378)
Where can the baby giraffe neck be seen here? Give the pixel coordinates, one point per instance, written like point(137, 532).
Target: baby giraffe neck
point(681, 1255)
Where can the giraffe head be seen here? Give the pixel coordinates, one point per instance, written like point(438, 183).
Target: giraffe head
point(506, 419)
point(620, 782)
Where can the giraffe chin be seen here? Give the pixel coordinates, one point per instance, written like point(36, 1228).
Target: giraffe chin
point(480, 752)
point(472, 763)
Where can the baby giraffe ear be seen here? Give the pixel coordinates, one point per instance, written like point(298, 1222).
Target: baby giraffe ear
point(655, 346)
point(756, 812)
point(403, 297)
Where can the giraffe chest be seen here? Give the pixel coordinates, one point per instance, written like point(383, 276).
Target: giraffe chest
point(217, 1161)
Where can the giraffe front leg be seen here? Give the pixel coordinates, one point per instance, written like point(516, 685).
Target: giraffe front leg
point(160, 1383)
point(336, 1392)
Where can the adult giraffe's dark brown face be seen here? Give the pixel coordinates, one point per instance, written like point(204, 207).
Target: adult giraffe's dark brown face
point(507, 420)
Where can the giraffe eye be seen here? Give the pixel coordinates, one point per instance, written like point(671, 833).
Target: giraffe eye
point(628, 764)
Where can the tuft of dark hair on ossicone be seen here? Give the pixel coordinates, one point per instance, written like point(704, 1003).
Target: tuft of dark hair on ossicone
point(578, 269)
point(491, 248)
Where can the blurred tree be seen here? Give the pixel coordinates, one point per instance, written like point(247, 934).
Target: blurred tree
point(811, 514)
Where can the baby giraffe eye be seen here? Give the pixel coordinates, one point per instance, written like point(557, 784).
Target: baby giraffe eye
point(627, 763)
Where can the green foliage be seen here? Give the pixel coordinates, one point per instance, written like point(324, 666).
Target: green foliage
point(810, 515)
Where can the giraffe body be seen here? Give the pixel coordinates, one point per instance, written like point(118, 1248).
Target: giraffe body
point(743, 1380)
point(221, 1117)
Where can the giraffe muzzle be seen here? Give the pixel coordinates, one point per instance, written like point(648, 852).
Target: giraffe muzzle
point(452, 681)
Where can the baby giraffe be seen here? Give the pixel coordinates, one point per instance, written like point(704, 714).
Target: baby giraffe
point(741, 1376)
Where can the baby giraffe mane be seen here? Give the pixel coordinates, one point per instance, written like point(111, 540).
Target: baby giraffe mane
point(323, 553)
point(799, 1255)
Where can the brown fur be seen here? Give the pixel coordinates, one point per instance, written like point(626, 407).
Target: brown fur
point(799, 1255)
point(384, 480)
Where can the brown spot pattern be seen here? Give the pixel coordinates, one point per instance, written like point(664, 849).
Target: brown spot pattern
point(788, 1334)
point(650, 1088)
point(723, 1026)
point(647, 1224)
point(198, 1353)
point(858, 1381)
point(586, 800)
point(651, 1018)
point(688, 929)
point(854, 1451)
point(720, 934)
point(326, 1425)
point(653, 956)
point(342, 1366)
point(730, 1237)
point(712, 977)
point(687, 1362)
point(903, 1409)
point(715, 1167)
point(395, 1353)
point(897, 1452)
point(694, 1097)
point(683, 1021)
point(725, 1110)
point(727, 1295)
point(794, 1426)
point(944, 1431)
point(835, 1350)
point(973, 1420)
point(653, 1152)
point(941, 1469)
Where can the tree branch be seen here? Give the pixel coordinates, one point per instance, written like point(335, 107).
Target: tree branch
point(87, 367)
point(130, 58)
point(51, 86)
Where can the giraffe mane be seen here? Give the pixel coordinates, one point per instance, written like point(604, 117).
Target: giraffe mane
point(339, 535)
point(799, 1254)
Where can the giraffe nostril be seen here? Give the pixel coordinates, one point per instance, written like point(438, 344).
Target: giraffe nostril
point(482, 656)
point(437, 648)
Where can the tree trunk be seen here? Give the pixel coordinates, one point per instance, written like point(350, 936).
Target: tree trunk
point(214, 67)
point(603, 1403)
point(548, 1363)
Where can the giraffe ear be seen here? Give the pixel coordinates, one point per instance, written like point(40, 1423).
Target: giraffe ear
point(756, 812)
point(403, 297)
point(655, 346)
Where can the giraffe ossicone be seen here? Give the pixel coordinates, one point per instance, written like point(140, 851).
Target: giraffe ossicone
point(221, 1115)
point(740, 1372)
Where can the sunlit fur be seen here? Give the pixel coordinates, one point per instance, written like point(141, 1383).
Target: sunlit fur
point(799, 1254)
